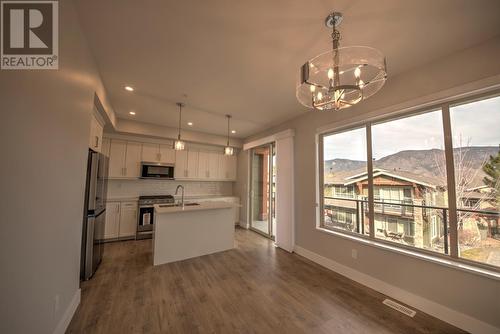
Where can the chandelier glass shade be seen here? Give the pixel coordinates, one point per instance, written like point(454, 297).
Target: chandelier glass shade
point(341, 77)
point(179, 145)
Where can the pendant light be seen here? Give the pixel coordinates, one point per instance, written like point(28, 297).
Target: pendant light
point(179, 144)
point(341, 77)
point(228, 150)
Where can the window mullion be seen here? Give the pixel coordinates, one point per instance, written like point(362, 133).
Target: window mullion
point(320, 209)
point(369, 157)
point(450, 181)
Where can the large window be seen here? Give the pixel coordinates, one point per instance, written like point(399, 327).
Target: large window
point(476, 138)
point(390, 181)
point(344, 203)
point(409, 178)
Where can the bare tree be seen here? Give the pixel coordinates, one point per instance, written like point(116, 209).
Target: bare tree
point(466, 175)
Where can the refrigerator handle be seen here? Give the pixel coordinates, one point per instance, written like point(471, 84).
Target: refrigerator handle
point(94, 166)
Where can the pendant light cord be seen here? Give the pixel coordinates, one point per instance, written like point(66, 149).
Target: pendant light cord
point(228, 118)
point(180, 117)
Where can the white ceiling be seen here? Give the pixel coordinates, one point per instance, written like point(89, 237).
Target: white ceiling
point(242, 57)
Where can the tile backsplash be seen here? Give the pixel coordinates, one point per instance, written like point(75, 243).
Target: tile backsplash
point(136, 188)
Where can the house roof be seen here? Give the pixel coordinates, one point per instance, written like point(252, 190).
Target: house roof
point(351, 177)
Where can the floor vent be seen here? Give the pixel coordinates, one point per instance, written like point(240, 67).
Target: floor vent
point(398, 307)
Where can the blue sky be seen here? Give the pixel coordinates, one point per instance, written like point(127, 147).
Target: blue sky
point(476, 123)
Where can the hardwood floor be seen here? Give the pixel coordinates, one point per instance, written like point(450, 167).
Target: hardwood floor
point(255, 288)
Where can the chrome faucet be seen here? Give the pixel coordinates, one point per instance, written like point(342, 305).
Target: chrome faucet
point(182, 196)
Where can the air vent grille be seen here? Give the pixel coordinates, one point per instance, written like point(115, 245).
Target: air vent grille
point(398, 307)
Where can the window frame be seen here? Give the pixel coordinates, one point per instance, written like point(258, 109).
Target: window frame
point(442, 107)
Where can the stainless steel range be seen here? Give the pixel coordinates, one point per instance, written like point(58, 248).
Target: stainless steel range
point(146, 213)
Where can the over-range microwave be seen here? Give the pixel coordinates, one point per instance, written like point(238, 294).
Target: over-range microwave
point(153, 170)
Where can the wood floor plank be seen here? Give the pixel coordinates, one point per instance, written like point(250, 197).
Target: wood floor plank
point(254, 288)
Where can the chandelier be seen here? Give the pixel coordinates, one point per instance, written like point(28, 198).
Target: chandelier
point(342, 77)
point(179, 144)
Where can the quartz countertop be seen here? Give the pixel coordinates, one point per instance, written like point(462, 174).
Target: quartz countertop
point(201, 206)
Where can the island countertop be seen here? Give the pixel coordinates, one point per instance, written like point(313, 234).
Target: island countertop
point(201, 206)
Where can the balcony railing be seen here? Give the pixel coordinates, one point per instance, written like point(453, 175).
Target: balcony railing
point(487, 221)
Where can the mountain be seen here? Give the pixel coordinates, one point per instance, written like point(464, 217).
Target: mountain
point(422, 162)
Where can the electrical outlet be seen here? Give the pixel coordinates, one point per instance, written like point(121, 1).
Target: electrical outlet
point(354, 253)
point(56, 304)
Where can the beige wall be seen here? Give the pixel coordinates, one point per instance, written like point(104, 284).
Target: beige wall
point(240, 187)
point(468, 293)
point(45, 117)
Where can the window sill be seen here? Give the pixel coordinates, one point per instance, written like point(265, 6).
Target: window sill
point(451, 263)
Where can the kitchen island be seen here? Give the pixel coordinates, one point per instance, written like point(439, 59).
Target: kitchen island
point(195, 229)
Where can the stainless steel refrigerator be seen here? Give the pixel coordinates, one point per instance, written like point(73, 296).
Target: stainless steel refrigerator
point(94, 214)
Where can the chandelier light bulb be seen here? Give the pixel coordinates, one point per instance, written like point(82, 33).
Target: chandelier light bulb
point(320, 96)
point(312, 88)
point(330, 74)
point(357, 72)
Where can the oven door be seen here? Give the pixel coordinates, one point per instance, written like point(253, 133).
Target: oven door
point(157, 171)
point(146, 218)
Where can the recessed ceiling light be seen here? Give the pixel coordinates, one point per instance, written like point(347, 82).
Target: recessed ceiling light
point(130, 89)
point(190, 123)
point(233, 131)
point(132, 112)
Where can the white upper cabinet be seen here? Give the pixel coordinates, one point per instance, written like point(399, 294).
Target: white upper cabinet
point(222, 170)
point(117, 152)
point(133, 160)
point(124, 159)
point(213, 165)
point(181, 164)
point(231, 167)
point(95, 139)
point(167, 154)
point(160, 153)
point(203, 165)
point(186, 164)
point(150, 152)
point(192, 165)
point(227, 167)
point(106, 143)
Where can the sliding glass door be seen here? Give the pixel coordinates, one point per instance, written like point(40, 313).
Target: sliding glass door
point(263, 190)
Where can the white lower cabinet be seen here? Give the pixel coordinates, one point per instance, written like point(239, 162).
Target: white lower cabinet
point(112, 220)
point(128, 219)
point(121, 220)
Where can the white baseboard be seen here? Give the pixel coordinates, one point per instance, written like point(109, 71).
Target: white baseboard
point(68, 314)
point(439, 311)
point(243, 225)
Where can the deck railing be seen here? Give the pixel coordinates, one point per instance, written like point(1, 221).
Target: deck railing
point(407, 209)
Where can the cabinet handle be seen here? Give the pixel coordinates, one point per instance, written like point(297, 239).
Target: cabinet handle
point(96, 142)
